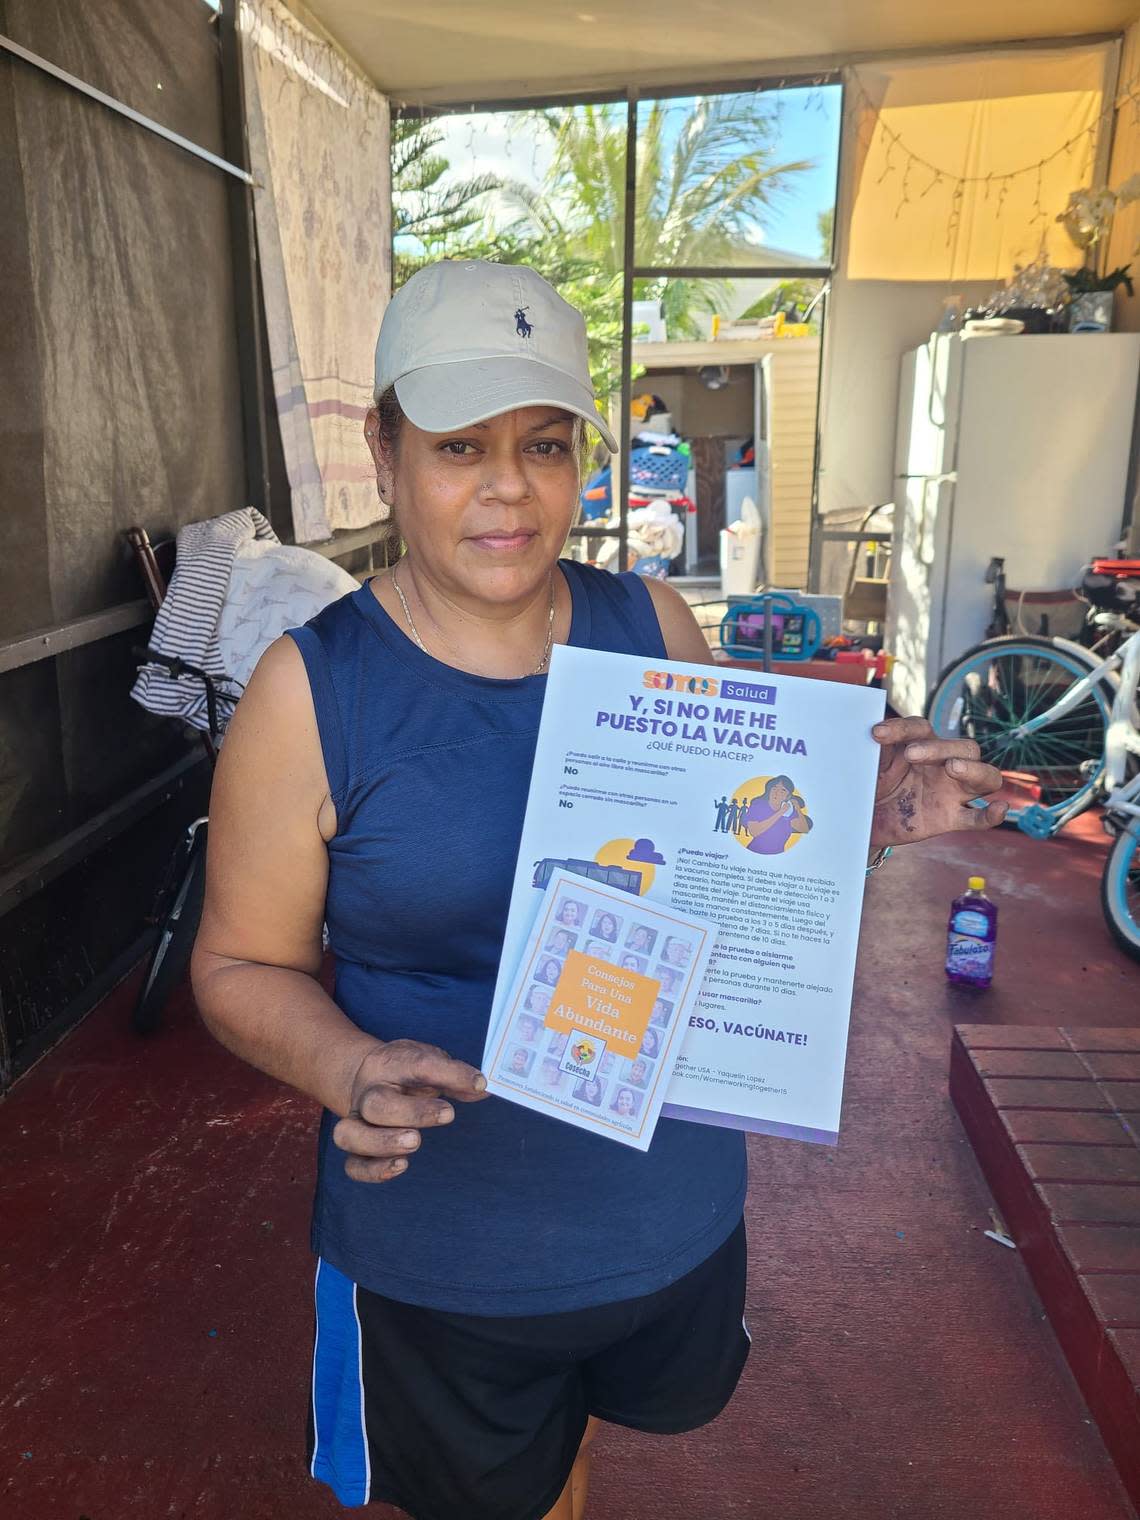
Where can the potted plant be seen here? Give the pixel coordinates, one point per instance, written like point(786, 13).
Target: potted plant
point(1087, 219)
point(1090, 297)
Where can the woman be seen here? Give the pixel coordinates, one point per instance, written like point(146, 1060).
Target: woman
point(625, 1104)
point(676, 952)
point(551, 1073)
point(772, 818)
point(669, 977)
point(590, 1090)
point(537, 999)
point(569, 913)
point(605, 927)
point(466, 1342)
point(662, 1013)
point(549, 972)
point(641, 939)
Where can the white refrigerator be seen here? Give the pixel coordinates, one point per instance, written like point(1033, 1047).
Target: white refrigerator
point(1009, 446)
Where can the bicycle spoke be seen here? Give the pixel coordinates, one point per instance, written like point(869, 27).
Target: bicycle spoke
point(1005, 690)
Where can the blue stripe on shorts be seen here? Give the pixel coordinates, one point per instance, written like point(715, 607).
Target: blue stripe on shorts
point(340, 1436)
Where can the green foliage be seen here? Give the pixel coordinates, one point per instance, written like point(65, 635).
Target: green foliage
point(443, 220)
point(825, 223)
point(1083, 282)
point(433, 221)
point(703, 189)
point(791, 296)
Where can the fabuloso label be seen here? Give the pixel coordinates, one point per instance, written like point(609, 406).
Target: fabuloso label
point(969, 955)
point(970, 921)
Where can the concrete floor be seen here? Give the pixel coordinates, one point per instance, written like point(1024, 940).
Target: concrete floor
point(155, 1283)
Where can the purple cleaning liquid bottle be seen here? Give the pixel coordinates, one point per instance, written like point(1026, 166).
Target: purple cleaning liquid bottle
point(972, 936)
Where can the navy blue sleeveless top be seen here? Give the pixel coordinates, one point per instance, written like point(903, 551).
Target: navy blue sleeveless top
point(499, 1213)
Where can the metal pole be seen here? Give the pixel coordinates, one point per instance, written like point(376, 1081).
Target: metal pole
point(8, 46)
point(243, 253)
point(629, 238)
point(838, 230)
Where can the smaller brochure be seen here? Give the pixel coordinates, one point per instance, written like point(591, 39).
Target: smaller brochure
point(597, 1011)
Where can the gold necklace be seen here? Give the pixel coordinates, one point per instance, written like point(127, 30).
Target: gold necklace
point(538, 669)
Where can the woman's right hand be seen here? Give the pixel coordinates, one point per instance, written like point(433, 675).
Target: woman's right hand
point(400, 1088)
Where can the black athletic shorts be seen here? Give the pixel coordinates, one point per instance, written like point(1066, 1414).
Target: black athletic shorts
point(456, 1415)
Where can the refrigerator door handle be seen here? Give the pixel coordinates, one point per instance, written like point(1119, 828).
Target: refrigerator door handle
point(925, 537)
point(928, 522)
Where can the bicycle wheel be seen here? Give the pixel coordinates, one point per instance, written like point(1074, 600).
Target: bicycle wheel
point(1120, 891)
point(171, 953)
point(1001, 684)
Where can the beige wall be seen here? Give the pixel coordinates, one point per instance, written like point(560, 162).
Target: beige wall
point(699, 412)
point(795, 384)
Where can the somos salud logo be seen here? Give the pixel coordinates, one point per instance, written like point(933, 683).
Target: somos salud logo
point(709, 686)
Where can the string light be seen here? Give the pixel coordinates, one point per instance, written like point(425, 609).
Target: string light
point(905, 192)
point(955, 219)
point(871, 115)
point(1039, 212)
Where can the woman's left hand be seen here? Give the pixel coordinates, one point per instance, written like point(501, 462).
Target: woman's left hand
point(925, 785)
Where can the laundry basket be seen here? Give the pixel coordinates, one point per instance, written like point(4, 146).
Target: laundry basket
point(658, 467)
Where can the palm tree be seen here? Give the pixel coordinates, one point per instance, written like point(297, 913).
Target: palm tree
point(704, 185)
point(429, 220)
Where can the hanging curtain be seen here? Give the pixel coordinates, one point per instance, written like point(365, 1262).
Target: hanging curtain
point(318, 142)
point(925, 212)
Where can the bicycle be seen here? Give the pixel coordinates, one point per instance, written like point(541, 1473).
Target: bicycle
point(1062, 718)
point(177, 906)
point(178, 903)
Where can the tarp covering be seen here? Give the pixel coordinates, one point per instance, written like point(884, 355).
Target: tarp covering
point(981, 118)
point(1124, 243)
point(318, 138)
point(907, 240)
point(119, 400)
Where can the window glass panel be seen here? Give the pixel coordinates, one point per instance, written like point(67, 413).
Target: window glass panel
point(731, 180)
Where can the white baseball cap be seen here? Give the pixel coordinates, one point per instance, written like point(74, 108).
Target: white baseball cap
point(464, 340)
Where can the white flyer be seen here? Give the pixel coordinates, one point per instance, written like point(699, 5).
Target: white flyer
point(586, 1036)
point(738, 798)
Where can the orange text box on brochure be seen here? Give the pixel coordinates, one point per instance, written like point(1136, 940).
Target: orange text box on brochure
point(611, 1002)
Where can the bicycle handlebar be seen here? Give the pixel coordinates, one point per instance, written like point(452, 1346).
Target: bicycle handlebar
point(177, 668)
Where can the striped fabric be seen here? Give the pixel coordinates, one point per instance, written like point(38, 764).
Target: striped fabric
point(187, 621)
point(340, 1434)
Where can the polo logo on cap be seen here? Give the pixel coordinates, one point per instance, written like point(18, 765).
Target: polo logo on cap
point(522, 326)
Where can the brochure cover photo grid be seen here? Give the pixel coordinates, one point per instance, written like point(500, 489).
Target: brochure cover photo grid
point(587, 1035)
